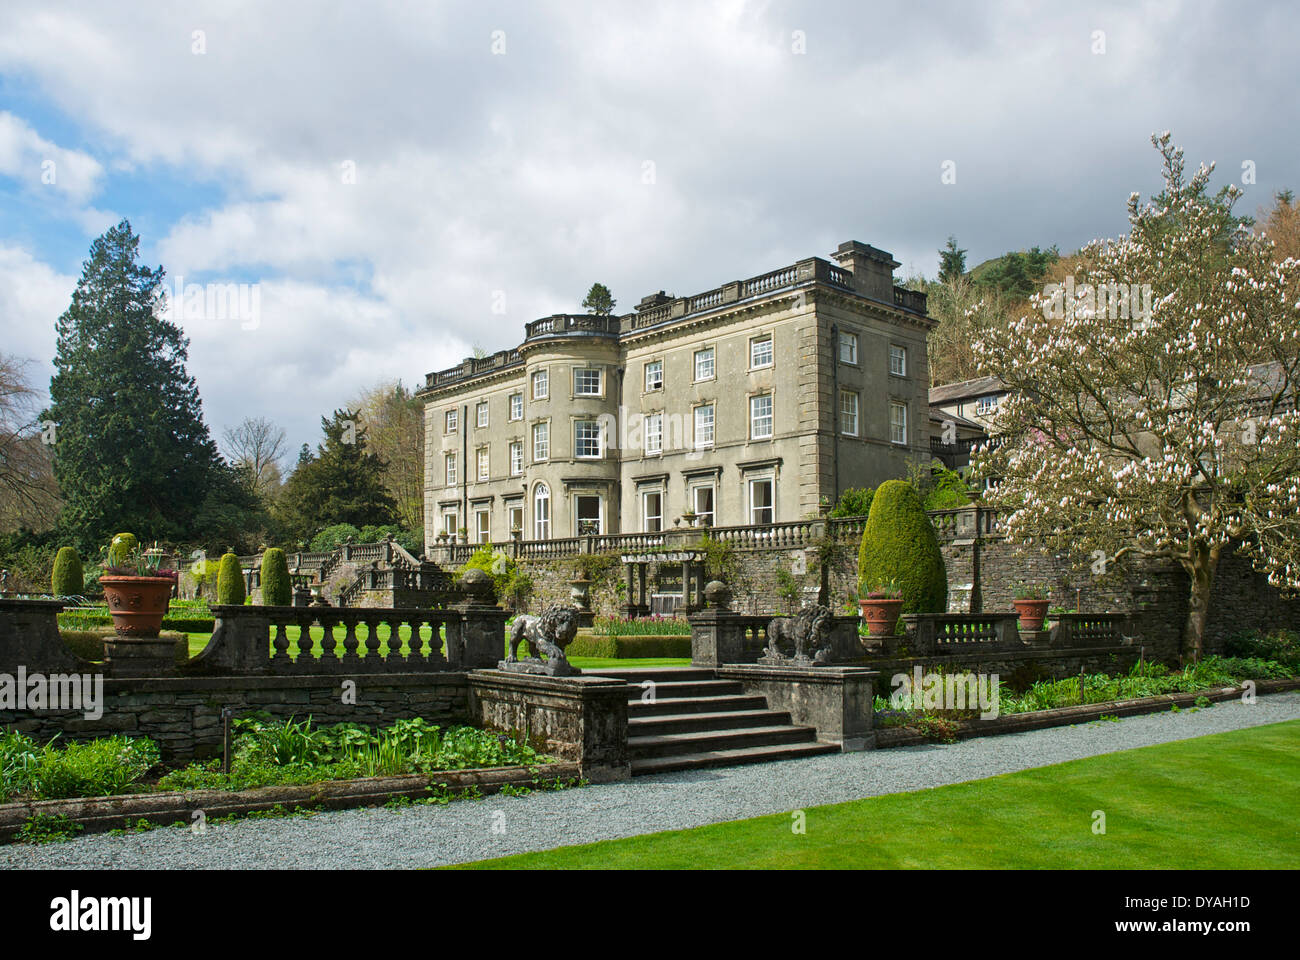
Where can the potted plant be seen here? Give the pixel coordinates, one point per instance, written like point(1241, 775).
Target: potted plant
point(881, 608)
point(136, 587)
point(1031, 603)
point(689, 517)
point(463, 534)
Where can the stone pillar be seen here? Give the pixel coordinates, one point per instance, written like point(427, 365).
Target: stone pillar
point(643, 601)
point(633, 599)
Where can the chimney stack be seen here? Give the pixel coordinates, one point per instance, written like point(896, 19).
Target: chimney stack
point(872, 269)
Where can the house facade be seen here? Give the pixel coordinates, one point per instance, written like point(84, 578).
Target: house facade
point(749, 403)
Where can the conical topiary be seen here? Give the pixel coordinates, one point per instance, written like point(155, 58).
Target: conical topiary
point(230, 581)
point(277, 588)
point(899, 546)
point(68, 579)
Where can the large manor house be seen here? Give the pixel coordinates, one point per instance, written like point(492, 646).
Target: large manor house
point(751, 403)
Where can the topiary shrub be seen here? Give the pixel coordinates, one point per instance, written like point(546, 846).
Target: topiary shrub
point(898, 544)
point(230, 581)
point(277, 587)
point(68, 579)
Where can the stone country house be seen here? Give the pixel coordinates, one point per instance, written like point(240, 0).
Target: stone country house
point(751, 403)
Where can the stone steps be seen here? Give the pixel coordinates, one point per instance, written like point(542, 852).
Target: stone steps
point(728, 758)
point(654, 725)
point(698, 721)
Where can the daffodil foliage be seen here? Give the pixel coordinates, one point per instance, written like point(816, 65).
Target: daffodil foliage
point(1151, 406)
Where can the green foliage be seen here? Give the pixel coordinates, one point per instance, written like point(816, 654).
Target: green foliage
point(269, 752)
point(277, 587)
point(96, 768)
point(342, 483)
point(67, 580)
point(854, 502)
point(29, 558)
point(335, 536)
point(593, 566)
point(899, 544)
point(630, 647)
point(42, 828)
point(654, 625)
point(599, 300)
point(1029, 591)
point(512, 586)
point(132, 450)
point(1282, 646)
point(230, 581)
point(946, 490)
point(1016, 274)
point(720, 561)
point(122, 550)
point(952, 262)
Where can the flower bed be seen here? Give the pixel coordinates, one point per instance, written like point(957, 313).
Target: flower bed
point(265, 753)
point(1144, 681)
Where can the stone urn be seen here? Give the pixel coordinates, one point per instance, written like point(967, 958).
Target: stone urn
point(137, 604)
point(1032, 613)
point(580, 594)
point(881, 612)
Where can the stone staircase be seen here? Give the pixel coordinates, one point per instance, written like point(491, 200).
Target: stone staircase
point(697, 721)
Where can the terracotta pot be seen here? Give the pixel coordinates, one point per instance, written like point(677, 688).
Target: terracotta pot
point(881, 614)
point(1032, 613)
point(137, 604)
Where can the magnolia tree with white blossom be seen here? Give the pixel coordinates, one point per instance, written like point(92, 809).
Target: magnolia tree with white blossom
point(1151, 407)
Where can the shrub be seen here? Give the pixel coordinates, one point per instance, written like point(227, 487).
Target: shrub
point(898, 543)
point(947, 490)
point(68, 580)
point(277, 588)
point(511, 584)
point(335, 536)
point(854, 502)
point(96, 768)
point(230, 581)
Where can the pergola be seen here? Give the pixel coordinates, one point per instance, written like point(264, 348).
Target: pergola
point(637, 564)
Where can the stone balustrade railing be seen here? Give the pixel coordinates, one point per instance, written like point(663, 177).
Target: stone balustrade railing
point(1088, 629)
point(347, 640)
point(250, 640)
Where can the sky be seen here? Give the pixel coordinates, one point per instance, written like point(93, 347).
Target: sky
point(399, 183)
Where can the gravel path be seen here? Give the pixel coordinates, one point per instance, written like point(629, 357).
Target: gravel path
point(473, 830)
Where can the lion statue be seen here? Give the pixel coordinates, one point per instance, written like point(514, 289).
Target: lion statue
point(547, 635)
point(808, 633)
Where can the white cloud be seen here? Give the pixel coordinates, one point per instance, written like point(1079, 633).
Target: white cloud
point(523, 173)
point(39, 164)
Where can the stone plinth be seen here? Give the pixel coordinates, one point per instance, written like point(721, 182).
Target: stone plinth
point(837, 701)
point(573, 718)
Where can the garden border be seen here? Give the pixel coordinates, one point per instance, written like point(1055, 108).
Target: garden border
point(1084, 713)
point(100, 814)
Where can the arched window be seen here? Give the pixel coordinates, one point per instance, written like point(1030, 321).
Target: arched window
point(541, 512)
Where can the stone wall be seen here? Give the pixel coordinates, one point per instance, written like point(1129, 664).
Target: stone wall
point(183, 714)
point(983, 573)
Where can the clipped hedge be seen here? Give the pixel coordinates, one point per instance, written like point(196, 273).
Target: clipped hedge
point(91, 619)
point(230, 581)
point(626, 648)
point(277, 587)
point(898, 543)
point(68, 579)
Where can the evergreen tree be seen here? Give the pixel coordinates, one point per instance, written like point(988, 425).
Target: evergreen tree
point(343, 483)
point(132, 450)
point(952, 262)
point(599, 300)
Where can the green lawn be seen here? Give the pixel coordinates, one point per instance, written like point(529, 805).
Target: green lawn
point(200, 640)
point(1227, 801)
